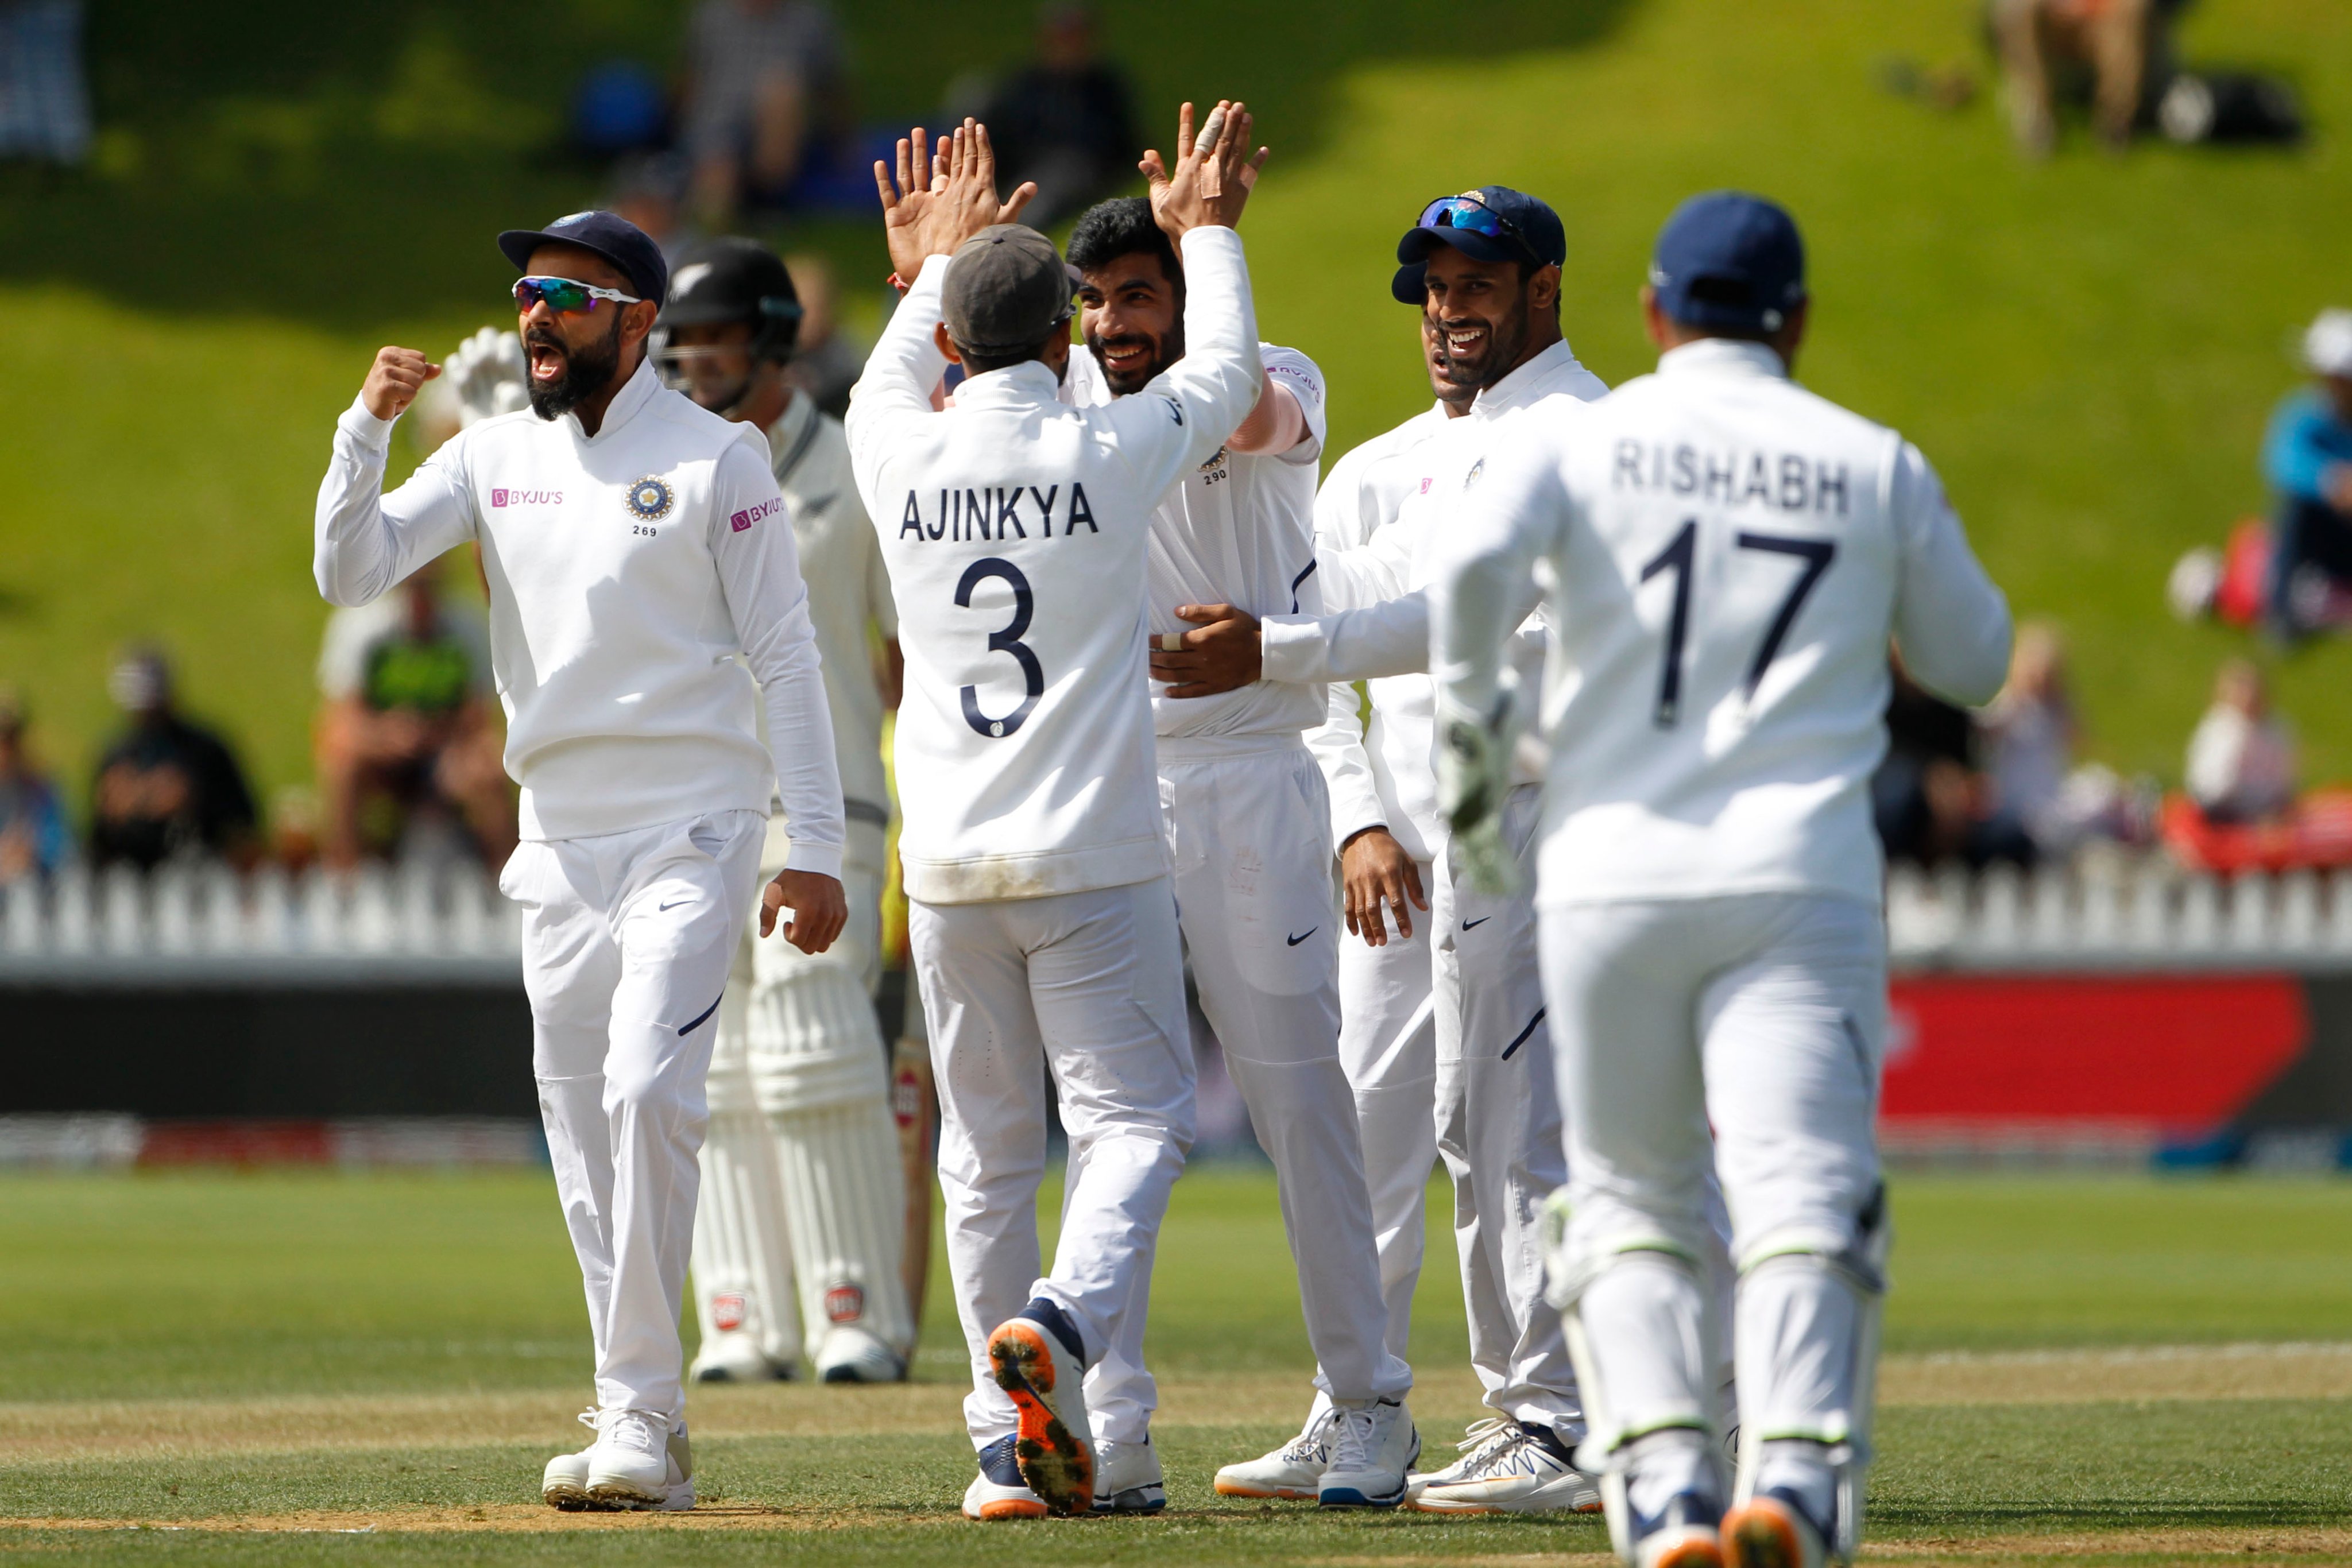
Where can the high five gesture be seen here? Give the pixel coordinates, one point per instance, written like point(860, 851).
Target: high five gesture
point(954, 200)
point(1215, 171)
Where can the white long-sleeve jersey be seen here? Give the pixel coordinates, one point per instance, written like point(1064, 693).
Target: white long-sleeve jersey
point(627, 571)
point(848, 591)
point(1375, 627)
point(1238, 529)
point(1014, 526)
point(1725, 556)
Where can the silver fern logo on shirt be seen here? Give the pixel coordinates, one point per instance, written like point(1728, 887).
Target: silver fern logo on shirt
point(650, 499)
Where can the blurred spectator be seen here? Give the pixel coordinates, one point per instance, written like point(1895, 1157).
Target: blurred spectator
point(405, 730)
point(1930, 802)
point(2308, 459)
point(826, 364)
point(2028, 734)
point(649, 190)
point(2115, 52)
point(618, 107)
point(1066, 120)
point(34, 838)
point(761, 75)
point(294, 828)
point(165, 787)
point(44, 102)
point(2242, 762)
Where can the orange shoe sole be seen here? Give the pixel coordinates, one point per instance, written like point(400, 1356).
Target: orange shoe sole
point(993, 1511)
point(1759, 1536)
point(1693, 1552)
point(1059, 1466)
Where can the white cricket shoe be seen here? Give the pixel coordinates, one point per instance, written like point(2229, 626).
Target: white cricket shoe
point(1295, 1470)
point(564, 1484)
point(641, 1463)
point(1772, 1529)
point(1506, 1468)
point(736, 1358)
point(1128, 1479)
point(850, 1354)
point(1373, 1447)
point(1040, 1362)
point(997, 1491)
point(1687, 1532)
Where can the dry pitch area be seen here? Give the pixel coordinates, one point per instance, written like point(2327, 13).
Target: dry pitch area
point(258, 1425)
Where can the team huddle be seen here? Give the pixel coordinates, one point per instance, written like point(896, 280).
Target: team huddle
point(1588, 907)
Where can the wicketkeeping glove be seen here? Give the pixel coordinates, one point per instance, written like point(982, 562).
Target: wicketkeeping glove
point(487, 374)
point(1474, 773)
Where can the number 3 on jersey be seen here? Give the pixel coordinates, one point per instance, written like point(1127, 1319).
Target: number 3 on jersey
point(1006, 640)
point(1678, 558)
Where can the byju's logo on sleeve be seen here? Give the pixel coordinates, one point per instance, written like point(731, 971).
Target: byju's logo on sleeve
point(749, 514)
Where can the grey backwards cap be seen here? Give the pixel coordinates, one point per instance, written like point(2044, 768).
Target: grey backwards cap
point(1007, 291)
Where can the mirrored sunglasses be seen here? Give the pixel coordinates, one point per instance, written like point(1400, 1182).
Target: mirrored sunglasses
point(565, 296)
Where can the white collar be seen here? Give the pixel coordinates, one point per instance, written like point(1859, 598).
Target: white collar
point(635, 393)
point(1529, 384)
point(1723, 356)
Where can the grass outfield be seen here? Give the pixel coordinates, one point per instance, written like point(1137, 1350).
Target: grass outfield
point(2087, 349)
point(2088, 1370)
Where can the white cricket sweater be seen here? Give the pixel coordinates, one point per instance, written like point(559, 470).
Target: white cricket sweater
point(1725, 556)
point(627, 571)
point(1014, 526)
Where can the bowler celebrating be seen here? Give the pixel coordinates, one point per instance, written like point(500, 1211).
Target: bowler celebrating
point(634, 544)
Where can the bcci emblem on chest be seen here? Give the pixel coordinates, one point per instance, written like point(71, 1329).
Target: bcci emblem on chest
point(650, 499)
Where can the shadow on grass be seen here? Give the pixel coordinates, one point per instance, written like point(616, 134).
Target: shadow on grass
point(348, 166)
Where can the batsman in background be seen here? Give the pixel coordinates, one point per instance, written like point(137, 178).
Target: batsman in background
point(802, 1177)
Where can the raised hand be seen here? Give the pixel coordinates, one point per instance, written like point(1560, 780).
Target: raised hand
point(1215, 171)
point(958, 201)
point(394, 380)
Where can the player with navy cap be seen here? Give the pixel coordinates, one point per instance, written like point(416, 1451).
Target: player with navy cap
point(1724, 558)
point(634, 544)
point(1442, 1036)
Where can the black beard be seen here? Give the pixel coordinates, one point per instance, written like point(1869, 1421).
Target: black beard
point(587, 370)
point(1171, 349)
point(1505, 340)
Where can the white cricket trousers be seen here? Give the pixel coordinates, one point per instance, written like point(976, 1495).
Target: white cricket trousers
point(1498, 1129)
point(1764, 1016)
point(1087, 989)
point(626, 939)
point(1392, 1071)
point(1249, 827)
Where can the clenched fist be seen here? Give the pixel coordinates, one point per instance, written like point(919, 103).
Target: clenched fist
point(392, 381)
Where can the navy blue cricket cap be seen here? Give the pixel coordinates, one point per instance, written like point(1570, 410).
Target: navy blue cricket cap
point(1493, 223)
point(610, 235)
point(1728, 261)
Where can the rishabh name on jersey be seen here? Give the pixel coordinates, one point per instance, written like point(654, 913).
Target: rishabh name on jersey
point(1238, 529)
point(1013, 527)
point(1725, 552)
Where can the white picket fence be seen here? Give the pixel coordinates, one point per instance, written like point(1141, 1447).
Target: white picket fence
point(423, 922)
point(208, 925)
point(2118, 914)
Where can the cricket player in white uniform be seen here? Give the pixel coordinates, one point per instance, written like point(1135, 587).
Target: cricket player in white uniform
point(801, 1176)
point(1043, 917)
point(1726, 557)
point(634, 545)
point(1248, 825)
point(1485, 268)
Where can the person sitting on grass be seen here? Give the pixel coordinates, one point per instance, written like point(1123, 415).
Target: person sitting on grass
point(2242, 759)
point(2307, 460)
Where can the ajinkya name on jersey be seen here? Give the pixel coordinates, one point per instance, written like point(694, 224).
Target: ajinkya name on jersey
point(997, 513)
point(1788, 482)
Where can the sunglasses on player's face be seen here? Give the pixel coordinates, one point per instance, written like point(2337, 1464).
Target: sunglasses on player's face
point(1470, 212)
point(564, 296)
